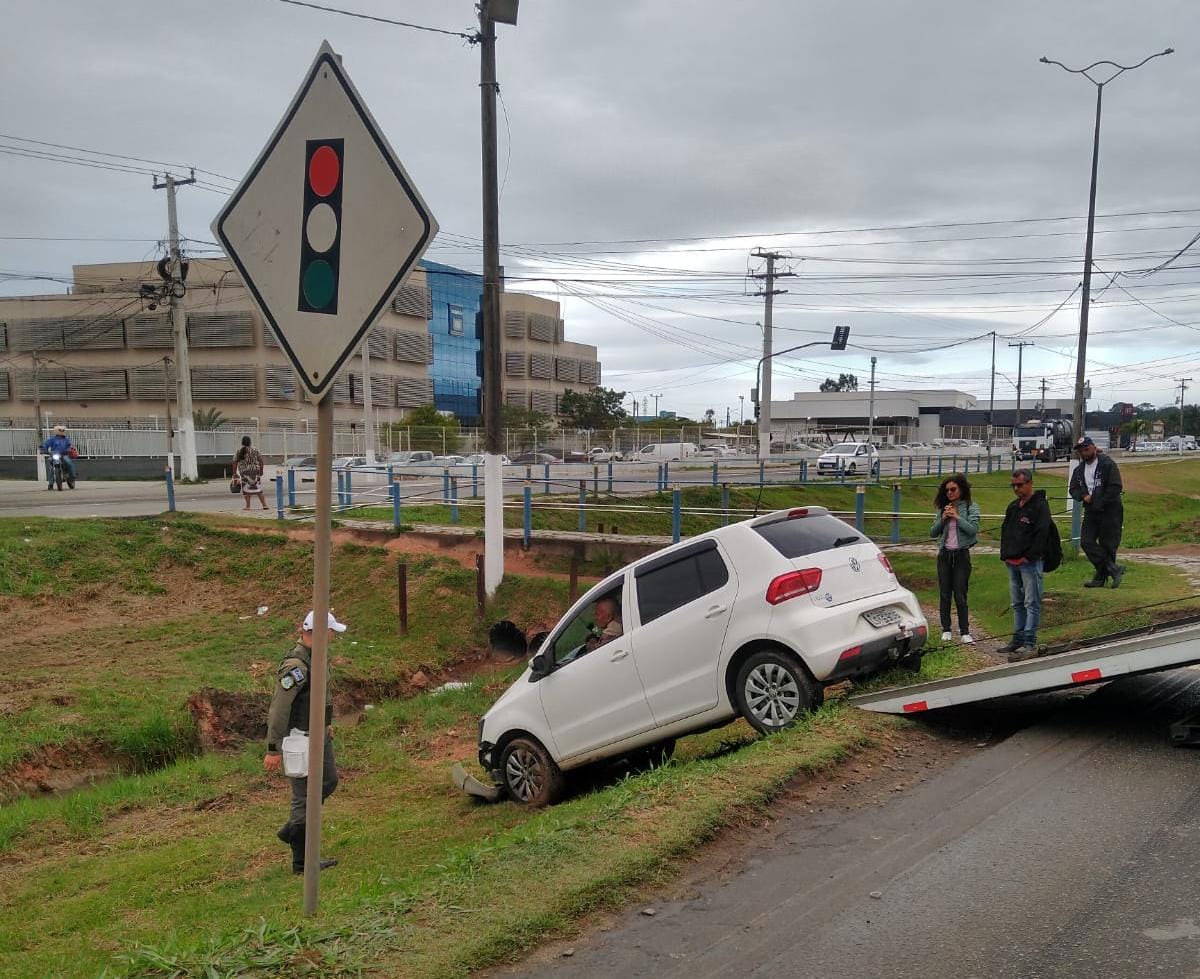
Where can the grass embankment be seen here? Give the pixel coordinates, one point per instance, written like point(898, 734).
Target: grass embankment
point(1161, 505)
point(112, 624)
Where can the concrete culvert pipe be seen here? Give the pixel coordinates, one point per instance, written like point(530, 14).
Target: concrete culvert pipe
point(505, 639)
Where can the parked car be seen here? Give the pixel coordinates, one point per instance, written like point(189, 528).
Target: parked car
point(600, 454)
point(666, 451)
point(535, 459)
point(447, 461)
point(349, 462)
point(753, 619)
point(852, 458)
point(417, 457)
point(299, 462)
point(476, 459)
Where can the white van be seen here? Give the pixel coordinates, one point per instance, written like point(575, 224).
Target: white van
point(666, 451)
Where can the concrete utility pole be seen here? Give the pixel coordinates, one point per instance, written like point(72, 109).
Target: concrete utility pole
point(167, 404)
point(183, 376)
point(656, 397)
point(1085, 300)
point(368, 418)
point(1183, 383)
point(992, 396)
point(741, 410)
point(871, 412)
point(764, 390)
point(491, 12)
point(37, 400)
point(1020, 358)
point(1043, 404)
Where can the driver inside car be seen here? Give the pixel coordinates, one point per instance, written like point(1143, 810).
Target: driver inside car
point(608, 624)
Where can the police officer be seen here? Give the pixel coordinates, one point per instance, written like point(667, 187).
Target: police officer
point(289, 709)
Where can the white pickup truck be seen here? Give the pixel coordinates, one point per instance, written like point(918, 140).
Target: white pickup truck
point(600, 454)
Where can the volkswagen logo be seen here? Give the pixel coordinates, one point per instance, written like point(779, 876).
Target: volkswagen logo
point(854, 565)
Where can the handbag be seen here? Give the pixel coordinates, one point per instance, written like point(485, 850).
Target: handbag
point(235, 485)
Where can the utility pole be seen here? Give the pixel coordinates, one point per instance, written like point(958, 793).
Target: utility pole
point(1077, 406)
point(656, 397)
point(1183, 383)
point(368, 419)
point(871, 412)
point(992, 396)
point(37, 400)
point(741, 410)
point(167, 403)
point(490, 13)
point(1021, 345)
point(1043, 396)
point(764, 390)
point(183, 375)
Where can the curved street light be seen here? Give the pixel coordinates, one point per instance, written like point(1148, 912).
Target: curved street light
point(1081, 358)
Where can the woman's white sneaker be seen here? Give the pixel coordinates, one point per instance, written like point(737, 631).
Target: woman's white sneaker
point(967, 640)
point(947, 636)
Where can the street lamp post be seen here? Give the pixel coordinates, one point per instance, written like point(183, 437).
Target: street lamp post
point(741, 410)
point(839, 343)
point(1080, 359)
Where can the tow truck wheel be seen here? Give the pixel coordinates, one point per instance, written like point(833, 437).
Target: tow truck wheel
point(530, 775)
point(773, 691)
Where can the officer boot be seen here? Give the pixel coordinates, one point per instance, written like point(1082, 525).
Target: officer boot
point(285, 833)
point(1117, 572)
point(1099, 577)
point(299, 831)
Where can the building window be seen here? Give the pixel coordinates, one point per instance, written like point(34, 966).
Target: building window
point(456, 321)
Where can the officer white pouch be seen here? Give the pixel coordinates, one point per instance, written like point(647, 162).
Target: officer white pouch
point(295, 754)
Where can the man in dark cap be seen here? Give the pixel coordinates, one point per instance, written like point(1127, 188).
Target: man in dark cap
point(1096, 484)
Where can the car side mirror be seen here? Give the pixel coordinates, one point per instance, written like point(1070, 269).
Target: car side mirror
point(539, 666)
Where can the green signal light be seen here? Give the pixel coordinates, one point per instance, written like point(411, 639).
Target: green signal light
point(319, 284)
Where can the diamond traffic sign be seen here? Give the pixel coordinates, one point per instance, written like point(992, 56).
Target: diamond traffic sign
point(326, 226)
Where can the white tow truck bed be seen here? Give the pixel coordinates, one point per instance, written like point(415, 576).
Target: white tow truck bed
point(1159, 647)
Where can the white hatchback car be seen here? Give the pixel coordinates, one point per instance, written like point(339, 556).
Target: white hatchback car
point(753, 619)
point(852, 458)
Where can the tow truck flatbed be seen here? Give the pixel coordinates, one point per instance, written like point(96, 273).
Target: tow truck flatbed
point(1164, 646)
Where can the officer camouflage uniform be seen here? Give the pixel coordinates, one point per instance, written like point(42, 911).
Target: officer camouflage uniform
point(289, 709)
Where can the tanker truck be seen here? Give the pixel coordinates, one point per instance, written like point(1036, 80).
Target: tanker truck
point(1044, 440)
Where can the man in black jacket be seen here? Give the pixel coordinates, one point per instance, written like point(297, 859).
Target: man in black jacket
point(1027, 521)
point(1096, 484)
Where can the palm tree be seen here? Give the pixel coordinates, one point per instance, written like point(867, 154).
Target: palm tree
point(208, 419)
point(1136, 427)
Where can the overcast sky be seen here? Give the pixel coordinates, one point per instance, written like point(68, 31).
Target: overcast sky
point(647, 147)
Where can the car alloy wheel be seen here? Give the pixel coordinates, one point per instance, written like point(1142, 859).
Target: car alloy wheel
point(530, 774)
point(773, 691)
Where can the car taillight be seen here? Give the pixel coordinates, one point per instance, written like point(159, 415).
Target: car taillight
point(850, 653)
point(887, 565)
point(798, 512)
point(792, 584)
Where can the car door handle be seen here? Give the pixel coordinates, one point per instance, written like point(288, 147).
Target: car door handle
point(715, 610)
point(619, 654)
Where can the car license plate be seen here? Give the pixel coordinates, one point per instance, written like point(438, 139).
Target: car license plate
point(880, 617)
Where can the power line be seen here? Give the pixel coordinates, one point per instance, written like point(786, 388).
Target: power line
point(118, 156)
point(472, 38)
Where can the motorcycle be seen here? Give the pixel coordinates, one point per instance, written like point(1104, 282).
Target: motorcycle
point(59, 471)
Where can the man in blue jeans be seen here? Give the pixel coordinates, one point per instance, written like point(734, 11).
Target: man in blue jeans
point(1027, 521)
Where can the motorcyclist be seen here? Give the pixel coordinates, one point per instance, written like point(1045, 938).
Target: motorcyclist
point(61, 443)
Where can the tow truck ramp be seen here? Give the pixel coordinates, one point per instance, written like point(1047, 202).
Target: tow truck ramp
point(1159, 647)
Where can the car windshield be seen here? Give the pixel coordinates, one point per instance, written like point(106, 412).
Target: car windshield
point(801, 536)
point(844, 449)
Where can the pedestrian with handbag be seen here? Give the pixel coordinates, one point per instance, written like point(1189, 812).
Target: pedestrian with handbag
point(248, 468)
point(955, 525)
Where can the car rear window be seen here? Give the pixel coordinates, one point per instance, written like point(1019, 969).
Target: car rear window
point(807, 535)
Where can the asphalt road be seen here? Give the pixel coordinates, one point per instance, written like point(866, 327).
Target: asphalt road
point(1067, 851)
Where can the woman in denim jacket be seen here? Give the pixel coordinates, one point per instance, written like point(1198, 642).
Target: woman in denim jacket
point(955, 526)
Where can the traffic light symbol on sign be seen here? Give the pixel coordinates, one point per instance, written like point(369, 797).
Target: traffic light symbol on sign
point(321, 244)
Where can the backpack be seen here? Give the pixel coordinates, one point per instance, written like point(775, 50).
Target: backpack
point(1052, 552)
